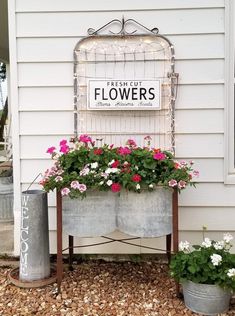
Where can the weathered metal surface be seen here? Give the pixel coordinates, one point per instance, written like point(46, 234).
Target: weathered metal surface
point(93, 216)
point(206, 299)
point(148, 214)
point(6, 199)
point(14, 279)
point(34, 242)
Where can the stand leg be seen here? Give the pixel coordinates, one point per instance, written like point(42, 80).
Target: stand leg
point(59, 240)
point(70, 253)
point(168, 247)
point(176, 230)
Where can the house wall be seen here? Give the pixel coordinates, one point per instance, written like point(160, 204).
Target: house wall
point(46, 33)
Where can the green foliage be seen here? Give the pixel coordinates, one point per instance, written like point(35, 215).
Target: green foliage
point(197, 265)
point(108, 168)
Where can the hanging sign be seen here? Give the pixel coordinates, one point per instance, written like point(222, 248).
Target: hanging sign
point(124, 94)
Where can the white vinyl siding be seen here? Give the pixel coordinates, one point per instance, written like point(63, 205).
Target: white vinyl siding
point(46, 33)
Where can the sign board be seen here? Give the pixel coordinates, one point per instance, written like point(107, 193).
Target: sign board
point(124, 94)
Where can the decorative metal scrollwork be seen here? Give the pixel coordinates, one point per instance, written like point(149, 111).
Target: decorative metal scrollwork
point(123, 24)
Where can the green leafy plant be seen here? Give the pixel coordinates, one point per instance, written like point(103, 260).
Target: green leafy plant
point(208, 263)
point(80, 166)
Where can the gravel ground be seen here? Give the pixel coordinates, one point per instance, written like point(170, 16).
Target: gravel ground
point(98, 288)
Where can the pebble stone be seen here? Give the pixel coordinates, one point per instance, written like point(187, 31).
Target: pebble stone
point(97, 288)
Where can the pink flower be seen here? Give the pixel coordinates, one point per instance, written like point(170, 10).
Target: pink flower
point(181, 184)
point(58, 179)
point(196, 173)
point(50, 150)
point(136, 178)
point(74, 184)
point(172, 183)
point(116, 187)
point(85, 139)
point(65, 191)
point(159, 156)
point(64, 149)
point(124, 151)
point(131, 143)
point(148, 137)
point(84, 171)
point(115, 164)
point(183, 163)
point(82, 187)
point(63, 142)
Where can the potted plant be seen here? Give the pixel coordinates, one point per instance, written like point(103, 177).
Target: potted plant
point(111, 178)
point(207, 274)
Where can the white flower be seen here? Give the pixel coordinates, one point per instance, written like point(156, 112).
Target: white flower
point(104, 175)
point(206, 243)
point(231, 273)
point(219, 245)
point(184, 246)
point(151, 186)
point(125, 163)
point(84, 171)
point(227, 238)
point(216, 259)
point(94, 165)
point(101, 183)
point(111, 162)
point(136, 168)
point(108, 171)
point(109, 182)
point(111, 170)
point(137, 186)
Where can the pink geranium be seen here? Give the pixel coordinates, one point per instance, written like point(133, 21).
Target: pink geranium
point(85, 139)
point(124, 151)
point(159, 156)
point(181, 184)
point(82, 187)
point(58, 179)
point(75, 184)
point(65, 191)
point(172, 183)
point(50, 150)
point(64, 149)
point(63, 142)
point(131, 143)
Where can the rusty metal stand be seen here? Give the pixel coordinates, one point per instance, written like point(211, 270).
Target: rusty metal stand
point(169, 237)
point(59, 263)
point(176, 230)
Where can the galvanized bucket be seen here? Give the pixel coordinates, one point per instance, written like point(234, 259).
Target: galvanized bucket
point(206, 299)
point(6, 199)
point(147, 214)
point(34, 236)
point(92, 216)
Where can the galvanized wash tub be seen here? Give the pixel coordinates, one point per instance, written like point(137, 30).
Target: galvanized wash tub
point(206, 299)
point(95, 215)
point(148, 214)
